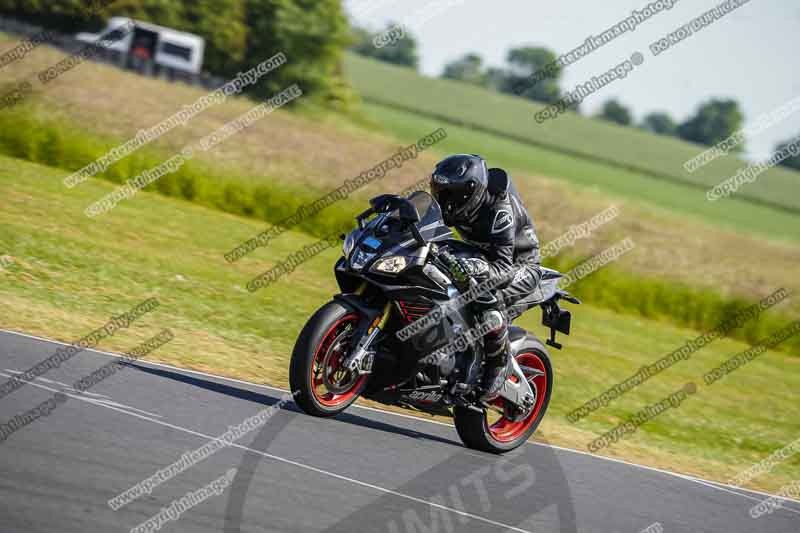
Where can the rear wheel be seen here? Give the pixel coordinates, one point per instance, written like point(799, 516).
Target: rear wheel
point(321, 385)
point(497, 433)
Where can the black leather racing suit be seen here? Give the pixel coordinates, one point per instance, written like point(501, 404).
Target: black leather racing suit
point(504, 231)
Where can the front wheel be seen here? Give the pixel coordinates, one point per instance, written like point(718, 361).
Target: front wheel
point(491, 432)
point(322, 387)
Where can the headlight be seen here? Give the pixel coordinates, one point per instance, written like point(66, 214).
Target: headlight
point(390, 265)
point(360, 258)
point(349, 244)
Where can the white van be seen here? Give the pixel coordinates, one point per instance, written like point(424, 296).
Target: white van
point(166, 47)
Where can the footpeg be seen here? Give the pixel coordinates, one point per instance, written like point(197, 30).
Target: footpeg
point(554, 344)
point(552, 340)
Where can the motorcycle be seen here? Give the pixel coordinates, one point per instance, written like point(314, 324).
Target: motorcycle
point(393, 275)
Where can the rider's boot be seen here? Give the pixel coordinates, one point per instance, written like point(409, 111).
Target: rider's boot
point(496, 367)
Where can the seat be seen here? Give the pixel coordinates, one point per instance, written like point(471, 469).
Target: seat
point(516, 333)
point(549, 273)
point(546, 290)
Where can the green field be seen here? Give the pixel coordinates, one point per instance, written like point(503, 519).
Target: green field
point(639, 158)
point(658, 195)
point(66, 274)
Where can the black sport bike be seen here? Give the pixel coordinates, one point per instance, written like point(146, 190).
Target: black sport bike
point(392, 274)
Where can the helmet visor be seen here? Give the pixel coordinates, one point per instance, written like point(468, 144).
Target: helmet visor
point(453, 196)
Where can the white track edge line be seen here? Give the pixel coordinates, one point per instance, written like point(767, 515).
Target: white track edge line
point(292, 463)
point(790, 509)
point(706, 482)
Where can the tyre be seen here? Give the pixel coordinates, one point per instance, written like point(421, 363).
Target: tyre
point(491, 432)
point(320, 385)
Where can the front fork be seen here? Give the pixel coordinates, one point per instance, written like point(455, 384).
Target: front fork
point(362, 357)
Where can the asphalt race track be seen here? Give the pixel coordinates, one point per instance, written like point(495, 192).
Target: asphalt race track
point(363, 471)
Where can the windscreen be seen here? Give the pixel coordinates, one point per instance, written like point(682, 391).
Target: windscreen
point(431, 224)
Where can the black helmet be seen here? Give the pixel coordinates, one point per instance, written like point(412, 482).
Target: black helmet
point(459, 184)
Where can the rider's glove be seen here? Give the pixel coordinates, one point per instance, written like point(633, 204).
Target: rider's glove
point(463, 270)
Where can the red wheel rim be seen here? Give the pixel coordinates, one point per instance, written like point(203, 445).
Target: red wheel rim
point(506, 430)
point(332, 337)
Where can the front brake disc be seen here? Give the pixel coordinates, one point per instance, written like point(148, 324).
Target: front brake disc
point(335, 378)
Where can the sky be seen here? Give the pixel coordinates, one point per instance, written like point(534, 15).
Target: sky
point(749, 55)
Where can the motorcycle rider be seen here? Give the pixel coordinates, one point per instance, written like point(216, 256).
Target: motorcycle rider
point(486, 210)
